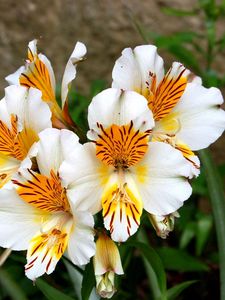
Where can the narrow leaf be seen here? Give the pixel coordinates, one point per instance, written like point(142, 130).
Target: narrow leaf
point(50, 292)
point(175, 291)
point(204, 226)
point(11, 287)
point(155, 262)
point(179, 260)
point(217, 197)
point(88, 282)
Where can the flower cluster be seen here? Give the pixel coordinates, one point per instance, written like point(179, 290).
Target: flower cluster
point(143, 132)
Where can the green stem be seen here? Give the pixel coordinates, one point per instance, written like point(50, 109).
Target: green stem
point(217, 197)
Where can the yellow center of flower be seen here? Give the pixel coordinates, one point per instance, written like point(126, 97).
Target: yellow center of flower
point(45, 193)
point(121, 146)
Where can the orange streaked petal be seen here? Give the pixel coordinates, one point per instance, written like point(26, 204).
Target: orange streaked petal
point(37, 76)
point(121, 211)
point(45, 193)
point(13, 143)
point(121, 146)
point(44, 252)
point(167, 94)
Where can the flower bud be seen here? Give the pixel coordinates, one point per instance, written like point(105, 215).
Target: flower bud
point(163, 225)
point(107, 262)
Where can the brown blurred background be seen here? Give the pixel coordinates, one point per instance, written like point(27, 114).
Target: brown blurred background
point(106, 27)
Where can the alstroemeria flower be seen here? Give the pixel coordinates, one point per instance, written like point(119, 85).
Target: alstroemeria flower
point(40, 217)
point(187, 115)
point(107, 263)
point(22, 116)
point(121, 171)
point(38, 73)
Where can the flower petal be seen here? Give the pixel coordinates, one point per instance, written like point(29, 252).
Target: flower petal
point(27, 105)
point(161, 181)
point(81, 246)
point(53, 147)
point(46, 248)
point(38, 73)
point(122, 108)
point(19, 221)
point(122, 207)
point(132, 69)
point(201, 120)
point(84, 177)
point(70, 71)
point(14, 78)
point(107, 257)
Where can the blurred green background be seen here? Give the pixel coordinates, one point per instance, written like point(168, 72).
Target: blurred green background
point(187, 264)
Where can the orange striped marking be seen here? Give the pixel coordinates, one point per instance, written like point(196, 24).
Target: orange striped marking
point(162, 99)
point(47, 245)
point(121, 146)
point(121, 199)
point(37, 76)
point(13, 143)
point(44, 193)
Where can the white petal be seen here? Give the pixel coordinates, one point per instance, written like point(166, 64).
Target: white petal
point(4, 114)
point(81, 246)
point(53, 147)
point(113, 106)
point(84, 176)
point(32, 46)
point(161, 178)
point(201, 120)
point(70, 70)
point(131, 70)
point(27, 104)
point(14, 77)
point(19, 221)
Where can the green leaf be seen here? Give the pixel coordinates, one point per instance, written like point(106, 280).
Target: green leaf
point(175, 291)
point(11, 287)
point(88, 282)
point(217, 197)
point(155, 262)
point(204, 226)
point(96, 87)
point(188, 234)
point(179, 260)
point(199, 185)
point(50, 292)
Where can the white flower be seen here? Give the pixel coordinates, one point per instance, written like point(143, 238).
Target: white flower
point(107, 263)
point(121, 171)
point(187, 115)
point(39, 215)
point(38, 73)
point(22, 116)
